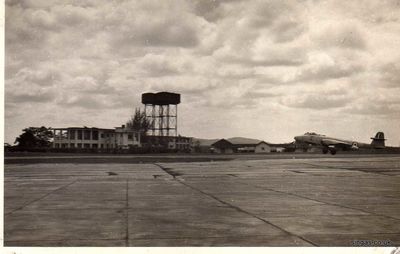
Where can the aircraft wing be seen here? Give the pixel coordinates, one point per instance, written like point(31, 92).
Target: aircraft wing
point(337, 143)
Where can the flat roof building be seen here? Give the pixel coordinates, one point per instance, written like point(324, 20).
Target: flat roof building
point(95, 138)
point(117, 138)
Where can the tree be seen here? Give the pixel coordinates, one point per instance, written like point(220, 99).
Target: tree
point(139, 122)
point(34, 137)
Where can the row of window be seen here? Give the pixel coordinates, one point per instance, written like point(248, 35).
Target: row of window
point(180, 146)
point(94, 135)
point(83, 146)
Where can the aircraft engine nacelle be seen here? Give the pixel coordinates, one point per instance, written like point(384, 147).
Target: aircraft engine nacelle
point(354, 146)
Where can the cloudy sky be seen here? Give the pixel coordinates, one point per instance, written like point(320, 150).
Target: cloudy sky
point(261, 69)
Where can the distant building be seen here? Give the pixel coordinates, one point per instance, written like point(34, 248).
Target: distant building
point(126, 138)
point(95, 138)
point(262, 147)
point(226, 146)
point(179, 143)
point(202, 145)
point(223, 146)
point(278, 149)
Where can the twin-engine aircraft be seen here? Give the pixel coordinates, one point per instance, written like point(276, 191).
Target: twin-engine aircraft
point(333, 144)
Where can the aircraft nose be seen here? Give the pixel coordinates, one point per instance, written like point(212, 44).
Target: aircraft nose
point(297, 138)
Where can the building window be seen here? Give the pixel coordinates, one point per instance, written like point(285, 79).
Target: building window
point(94, 146)
point(64, 134)
point(101, 146)
point(57, 145)
point(86, 135)
point(71, 134)
point(86, 146)
point(63, 145)
point(130, 136)
point(79, 145)
point(95, 135)
point(72, 145)
point(262, 148)
point(102, 135)
point(80, 134)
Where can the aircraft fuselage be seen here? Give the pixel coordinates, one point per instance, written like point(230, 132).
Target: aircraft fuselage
point(332, 144)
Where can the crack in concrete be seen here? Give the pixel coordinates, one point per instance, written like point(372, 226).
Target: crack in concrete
point(237, 208)
point(169, 171)
point(246, 212)
point(323, 202)
point(42, 197)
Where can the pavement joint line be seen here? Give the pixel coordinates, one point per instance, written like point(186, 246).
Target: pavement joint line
point(42, 197)
point(52, 175)
point(324, 202)
point(246, 212)
point(181, 238)
point(377, 233)
point(235, 207)
point(81, 209)
point(71, 239)
point(204, 237)
point(349, 169)
point(127, 214)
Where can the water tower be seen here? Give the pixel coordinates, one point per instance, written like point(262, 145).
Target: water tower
point(162, 111)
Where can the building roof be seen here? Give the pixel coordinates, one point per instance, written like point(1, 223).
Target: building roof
point(227, 143)
point(243, 141)
point(82, 128)
point(262, 142)
point(222, 143)
point(204, 142)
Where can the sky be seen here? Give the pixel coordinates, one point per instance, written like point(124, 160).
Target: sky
point(258, 69)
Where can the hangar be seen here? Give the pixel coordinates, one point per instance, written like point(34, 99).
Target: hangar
point(235, 146)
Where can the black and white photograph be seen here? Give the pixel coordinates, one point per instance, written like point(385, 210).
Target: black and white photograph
point(202, 123)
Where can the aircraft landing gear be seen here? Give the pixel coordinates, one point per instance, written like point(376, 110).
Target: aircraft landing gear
point(325, 150)
point(333, 151)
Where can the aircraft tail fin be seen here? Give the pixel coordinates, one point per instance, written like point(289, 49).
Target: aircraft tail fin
point(379, 140)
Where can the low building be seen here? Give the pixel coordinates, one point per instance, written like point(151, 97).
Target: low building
point(95, 138)
point(118, 138)
point(202, 145)
point(262, 147)
point(126, 138)
point(223, 146)
point(179, 143)
point(226, 146)
point(278, 149)
point(246, 149)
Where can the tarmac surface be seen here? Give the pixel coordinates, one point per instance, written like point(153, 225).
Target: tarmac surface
point(313, 201)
